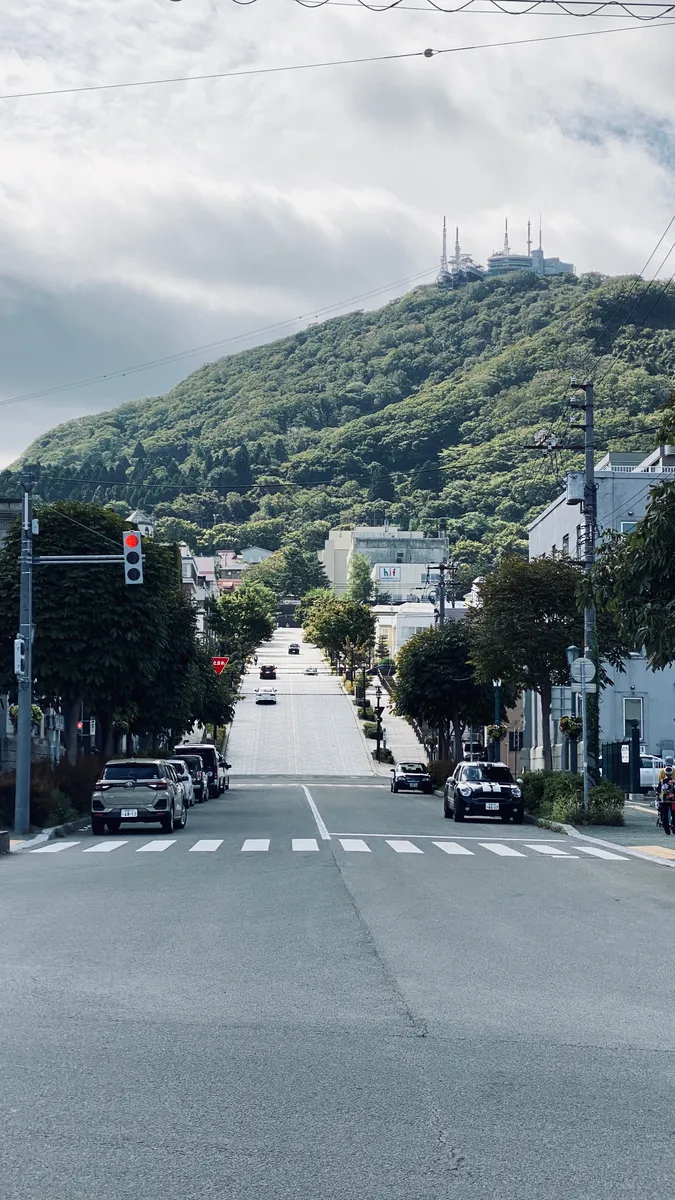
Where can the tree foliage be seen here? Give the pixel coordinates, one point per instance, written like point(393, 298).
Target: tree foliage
point(337, 625)
point(359, 583)
point(243, 619)
point(420, 410)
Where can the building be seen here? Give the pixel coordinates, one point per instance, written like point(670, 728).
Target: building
point(385, 546)
point(9, 511)
point(624, 482)
point(143, 522)
point(255, 554)
point(199, 587)
point(395, 623)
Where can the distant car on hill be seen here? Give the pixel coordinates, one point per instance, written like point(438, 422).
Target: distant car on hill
point(268, 672)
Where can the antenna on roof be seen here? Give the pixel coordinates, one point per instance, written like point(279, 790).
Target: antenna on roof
point(457, 249)
point(506, 236)
point(444, 251)
point(529, 239)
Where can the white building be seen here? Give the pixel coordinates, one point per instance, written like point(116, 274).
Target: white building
point(624, 482)
point(398, 622)
point(384, 546)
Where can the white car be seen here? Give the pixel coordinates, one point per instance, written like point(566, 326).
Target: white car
point(266, 695)
point(650, 765)
point(310, 671)
point(185, 780)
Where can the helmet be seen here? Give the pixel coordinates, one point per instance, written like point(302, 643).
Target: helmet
point(668, 760)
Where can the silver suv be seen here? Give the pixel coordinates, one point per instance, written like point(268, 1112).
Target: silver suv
point(138, 790)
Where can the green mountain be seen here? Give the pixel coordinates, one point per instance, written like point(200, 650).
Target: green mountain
point(423, 410)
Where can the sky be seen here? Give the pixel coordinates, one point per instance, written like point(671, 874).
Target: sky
point(140, 223)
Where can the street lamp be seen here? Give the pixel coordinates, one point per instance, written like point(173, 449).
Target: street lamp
point(378, 716)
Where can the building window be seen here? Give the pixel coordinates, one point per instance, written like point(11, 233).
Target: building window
point(554, 551)
point(566, 545)
point(628, 526)
point(399, 558)
point(579, 542)
point(632, 711)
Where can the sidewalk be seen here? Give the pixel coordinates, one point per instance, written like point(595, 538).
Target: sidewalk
point(639, 833)
point(401, 739)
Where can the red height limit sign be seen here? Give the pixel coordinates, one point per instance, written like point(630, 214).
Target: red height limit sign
point(219, 664)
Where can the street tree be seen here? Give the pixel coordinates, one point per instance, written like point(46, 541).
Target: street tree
point(359, 583)
point(337, 624)
point(243, 619)
point(437, 684)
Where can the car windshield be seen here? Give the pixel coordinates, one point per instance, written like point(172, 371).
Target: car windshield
point(412, 768)
point(192, 762)
point(488, 773)
point(131, 771)
point(179, 766)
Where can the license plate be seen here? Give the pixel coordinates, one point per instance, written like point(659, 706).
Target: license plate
point(490, 804)
point(129, 812)
point(413, 785)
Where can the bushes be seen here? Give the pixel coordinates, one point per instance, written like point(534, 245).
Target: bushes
point(386, 756)
point(370, 729)
point(439, 770)
point(55, 796)
point(559, 796)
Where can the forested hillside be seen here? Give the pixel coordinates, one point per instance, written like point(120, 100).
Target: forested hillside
point(422, 410)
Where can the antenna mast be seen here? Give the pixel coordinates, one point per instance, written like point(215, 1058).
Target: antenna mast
point(506, 236)
point(529, 239)
point(444, 252)
point(457, 249)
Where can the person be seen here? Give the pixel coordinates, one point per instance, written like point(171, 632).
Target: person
point(666, 794)
point(255, 660)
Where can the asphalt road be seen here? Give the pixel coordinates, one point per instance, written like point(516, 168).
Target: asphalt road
point(312, 728)
point(342, 1016)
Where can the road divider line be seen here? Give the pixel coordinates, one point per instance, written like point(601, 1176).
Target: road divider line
point(320, 824)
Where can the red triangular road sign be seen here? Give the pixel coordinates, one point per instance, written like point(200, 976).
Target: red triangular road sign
point(219, 664)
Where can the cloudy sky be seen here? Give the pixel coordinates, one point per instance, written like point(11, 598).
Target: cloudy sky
point(141, 223)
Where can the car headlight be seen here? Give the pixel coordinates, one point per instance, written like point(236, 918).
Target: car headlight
point(465, 791)
point(515, 791)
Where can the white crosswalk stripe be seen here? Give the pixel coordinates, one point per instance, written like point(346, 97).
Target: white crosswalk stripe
point(553, 851)
point(502, 850)
point(103, 847)
point(54, 847)
point(597, 853)
point(155, 847)
point(207, 845)
point(356, 845)
point(452, 848)
point(304, 844)
point(404, 847)
point(256, 844)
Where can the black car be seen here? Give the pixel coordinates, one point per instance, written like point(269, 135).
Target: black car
point(294, 648)
point(411, 777)
point(268, 672)
point(198, 775)
point(483, 789)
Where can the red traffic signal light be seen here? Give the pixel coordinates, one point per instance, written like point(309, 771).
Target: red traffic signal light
point(133, 557)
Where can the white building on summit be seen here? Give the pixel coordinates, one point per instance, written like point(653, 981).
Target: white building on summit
point(462, 269)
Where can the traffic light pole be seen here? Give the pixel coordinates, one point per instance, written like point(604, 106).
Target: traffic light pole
point(590, 522)
point(25, 677)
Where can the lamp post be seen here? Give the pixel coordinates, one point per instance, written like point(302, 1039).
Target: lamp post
point(378, 716)
point(497, 685)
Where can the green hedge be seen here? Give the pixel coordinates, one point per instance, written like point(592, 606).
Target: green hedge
point(439, 770)
point(55, 796)
point(386, 756)
point(559, 796)
point(370, 729)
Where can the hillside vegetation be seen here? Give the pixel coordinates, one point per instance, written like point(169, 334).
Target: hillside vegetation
point(422, 411)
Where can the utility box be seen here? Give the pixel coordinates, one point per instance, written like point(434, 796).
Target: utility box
point(576, 482)
point(616, 764)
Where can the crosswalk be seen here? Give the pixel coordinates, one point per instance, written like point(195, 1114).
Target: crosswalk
point(341, 845)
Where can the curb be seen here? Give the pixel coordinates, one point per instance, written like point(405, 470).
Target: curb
point(47, 835)
point(586, 837)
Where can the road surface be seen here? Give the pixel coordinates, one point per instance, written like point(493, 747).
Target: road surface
point(313, 728)
point(322, 989)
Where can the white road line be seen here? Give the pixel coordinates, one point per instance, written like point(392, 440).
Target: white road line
point(256, 844)
point(502, 851)
point(355, 844)
point(304, 844)
point(206, 845)
point(457, 837)
point(452, 848)
point(53, 847)
point(323, 832)
point(103, 847)
point(552, 850)
point(404, 847)
point(603, 854)
point(155, 847)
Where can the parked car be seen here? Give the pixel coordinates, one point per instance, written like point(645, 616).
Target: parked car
point(268, 672)
point(265, 695)
point(650, 765)
point(184, 779)
point(483, 789)
point(138, 790)
point(198, 775)
point(294, 648)
point(411, 777)
point(310, 671)
point(209, 756)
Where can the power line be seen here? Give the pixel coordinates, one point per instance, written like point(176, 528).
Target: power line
point(239, 337)
point(343, 62)
point(518, 8)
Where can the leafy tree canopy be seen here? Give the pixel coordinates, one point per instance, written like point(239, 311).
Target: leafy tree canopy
point(359, 583)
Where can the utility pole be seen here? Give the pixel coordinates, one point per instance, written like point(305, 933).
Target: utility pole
point(23, 665)
point(589, 508)
point(451, 568)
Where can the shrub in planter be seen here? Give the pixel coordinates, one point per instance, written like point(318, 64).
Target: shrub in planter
point(369, 712)
point(386, 756)
point(439, 769)
point(349, 686)
point(533, 790)
point(370, 729)
point(572, 726)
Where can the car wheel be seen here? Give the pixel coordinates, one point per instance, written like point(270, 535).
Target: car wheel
point(113, 826)
point(166, 822)
point(227, 786)
point(506, 817)
point(518, 817)
point(97, 826)
point(183, 819)
point(447, 813)
point(394, 787)
point(459, 811)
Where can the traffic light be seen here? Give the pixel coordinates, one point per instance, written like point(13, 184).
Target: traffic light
point(133, 558)
point(19, 657)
